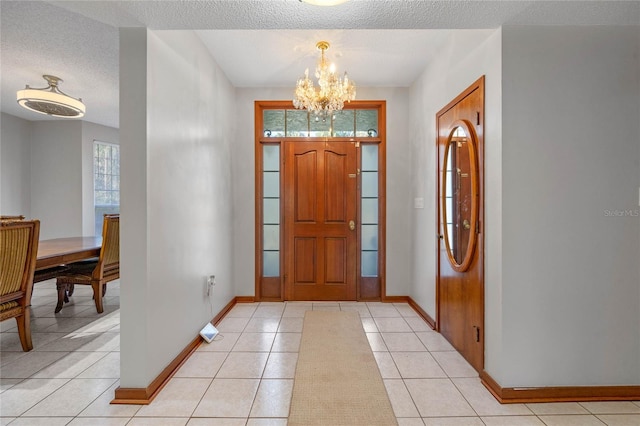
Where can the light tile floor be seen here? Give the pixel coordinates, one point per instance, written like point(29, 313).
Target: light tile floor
point(245, 377)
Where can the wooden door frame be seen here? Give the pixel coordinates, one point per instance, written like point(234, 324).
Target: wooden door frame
point(272, 288)
point(480, 121)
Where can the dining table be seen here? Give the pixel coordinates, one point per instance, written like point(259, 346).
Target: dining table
point(62, 251)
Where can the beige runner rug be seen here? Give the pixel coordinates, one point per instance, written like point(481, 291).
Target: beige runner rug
point(337, 380)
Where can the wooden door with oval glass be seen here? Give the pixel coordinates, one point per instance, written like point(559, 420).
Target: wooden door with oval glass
point(460, 281)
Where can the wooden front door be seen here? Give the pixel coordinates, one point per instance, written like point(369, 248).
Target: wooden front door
point(320, 212)
point(460, 280)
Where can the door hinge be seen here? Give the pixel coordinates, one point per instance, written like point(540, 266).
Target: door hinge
point(478, 118)
point(476, 329)
point(477, 226)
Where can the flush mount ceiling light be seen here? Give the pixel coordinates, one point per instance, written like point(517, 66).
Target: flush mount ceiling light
point(333, 92)
point(51, 100)
point(324, 2)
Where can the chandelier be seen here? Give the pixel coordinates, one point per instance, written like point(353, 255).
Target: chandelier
point(51, 100)
point(333, 90)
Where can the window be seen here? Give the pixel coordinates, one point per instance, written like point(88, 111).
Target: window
point(345, 123)
point(369, 210)
point(106, 181)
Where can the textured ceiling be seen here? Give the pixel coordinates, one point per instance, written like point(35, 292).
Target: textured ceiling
point(257, 42)
point(39, 38)
point(277, 58)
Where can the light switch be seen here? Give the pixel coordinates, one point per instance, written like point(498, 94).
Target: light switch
point(418, 203)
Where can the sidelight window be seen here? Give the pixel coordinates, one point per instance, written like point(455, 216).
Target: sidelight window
point(369, 210)
point(271, 210)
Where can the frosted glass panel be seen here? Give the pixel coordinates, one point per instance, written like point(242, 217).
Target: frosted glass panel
point(271, 202)
point(369, 237)
point(271, 157)
point(270, 264)
point(344, 123)
point(369, 184)
point(271, 210)
point(367, 122)
point(369, 157)
point(369, 210)
point(271, 187)
point(369, 263)
point(271, 237)
point(297, 123)
point(273, 121)
point(320, 128)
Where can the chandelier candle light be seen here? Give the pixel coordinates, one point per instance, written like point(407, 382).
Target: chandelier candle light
point(333, 90)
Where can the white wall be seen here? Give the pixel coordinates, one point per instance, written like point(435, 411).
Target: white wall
point(465, 57)
point(92, 132)
point(44, 164)
point(56, 178)
point(176, 127)
point(398, 185)
point(571, 143)
point(15, 166)
point(562, 143)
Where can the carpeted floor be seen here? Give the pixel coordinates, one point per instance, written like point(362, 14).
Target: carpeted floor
point(337, 381)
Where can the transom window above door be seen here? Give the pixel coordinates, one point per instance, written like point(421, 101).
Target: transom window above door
point(278, 123)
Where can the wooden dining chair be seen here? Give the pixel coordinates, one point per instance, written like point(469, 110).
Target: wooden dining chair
point(5, 217)
point(96, 273)
point(18, 253)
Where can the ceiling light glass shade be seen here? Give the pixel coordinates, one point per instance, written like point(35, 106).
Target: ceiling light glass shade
point(332, 92)
point(51, 100)
point(324, 2)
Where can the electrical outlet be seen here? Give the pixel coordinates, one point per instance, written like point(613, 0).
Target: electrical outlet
point(211, 281)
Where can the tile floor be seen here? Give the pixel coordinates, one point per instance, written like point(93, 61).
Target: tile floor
point(246, 377)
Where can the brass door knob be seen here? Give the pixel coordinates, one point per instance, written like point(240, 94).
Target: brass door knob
point(465, 224)
point(352, 225)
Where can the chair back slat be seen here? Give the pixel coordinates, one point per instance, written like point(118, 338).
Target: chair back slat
point(18, 250)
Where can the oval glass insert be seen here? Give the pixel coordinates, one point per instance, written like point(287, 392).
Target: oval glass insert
point(459, 195)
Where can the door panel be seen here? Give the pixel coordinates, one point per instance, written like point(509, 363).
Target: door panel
point(336, 179)
point(306, 181)
point(320, 201)
point(305, 259)
point(335, 267)
point(460, 291)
